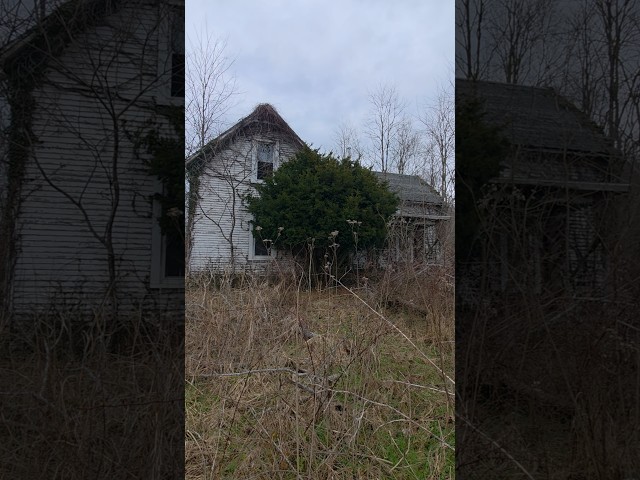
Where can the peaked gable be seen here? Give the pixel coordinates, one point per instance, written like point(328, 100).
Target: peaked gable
point(264, 116)
point(51, 35)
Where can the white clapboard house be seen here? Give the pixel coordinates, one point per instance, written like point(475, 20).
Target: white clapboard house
point(87, 87)
point(219, 227)
point(220, 175)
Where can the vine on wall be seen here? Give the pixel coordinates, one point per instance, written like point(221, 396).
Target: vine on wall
point(166, 152)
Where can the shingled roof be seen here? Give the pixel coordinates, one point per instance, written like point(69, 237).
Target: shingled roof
point(264, 115)
point(557, 144)
point(536, 117)
point(37, 44)
point(410, 188)
point(418, 199)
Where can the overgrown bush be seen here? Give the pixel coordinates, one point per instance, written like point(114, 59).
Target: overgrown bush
point(309, 204)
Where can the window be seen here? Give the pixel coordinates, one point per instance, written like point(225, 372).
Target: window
point(177, 51)
point(261, 248)
point(584, 248)
point(167, 248)
point(265, 160)
point(173, 265)
point(431, 244)
point(171, 53)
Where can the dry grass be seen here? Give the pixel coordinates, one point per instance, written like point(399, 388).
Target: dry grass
point(75, 405)
point(365, 397)
point(557, 399)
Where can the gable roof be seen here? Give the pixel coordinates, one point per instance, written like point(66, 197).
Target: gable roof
point(410, 188)
point(536, 117)
point(263, 115)
point(53, 33)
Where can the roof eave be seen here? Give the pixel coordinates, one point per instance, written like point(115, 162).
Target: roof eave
point(218, 142)
point(571, 185)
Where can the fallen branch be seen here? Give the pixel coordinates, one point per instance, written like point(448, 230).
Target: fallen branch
point(251, 372)
point(495, 444)
point(424, 386)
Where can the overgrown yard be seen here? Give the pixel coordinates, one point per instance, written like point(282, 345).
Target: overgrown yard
point(322, 384)
point(83, 398)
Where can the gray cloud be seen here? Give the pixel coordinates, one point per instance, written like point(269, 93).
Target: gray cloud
point(316, 61)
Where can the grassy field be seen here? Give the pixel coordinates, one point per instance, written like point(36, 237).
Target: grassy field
point(368, 395)
point(551, 400)
point(76, 404)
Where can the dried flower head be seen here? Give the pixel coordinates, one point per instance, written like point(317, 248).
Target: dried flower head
point(258, 228)
point(334, 233)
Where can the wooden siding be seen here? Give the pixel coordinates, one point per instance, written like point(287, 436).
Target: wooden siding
point(567, 165)
point(222, 226)
point(60, 260)
point(5, 116)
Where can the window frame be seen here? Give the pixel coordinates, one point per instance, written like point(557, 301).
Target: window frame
point(252, 248)
point(254, 162)
point(158, 279)
point(165, 54)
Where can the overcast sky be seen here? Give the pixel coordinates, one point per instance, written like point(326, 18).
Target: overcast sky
point(316, 61)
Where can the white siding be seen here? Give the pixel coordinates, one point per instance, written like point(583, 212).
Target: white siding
point(60, 259)
point(221, 227)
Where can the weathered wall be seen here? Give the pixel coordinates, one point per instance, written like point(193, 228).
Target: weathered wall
point(221, 226)
point(96, 97)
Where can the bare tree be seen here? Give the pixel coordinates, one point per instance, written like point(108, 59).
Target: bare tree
point(383, 122)
point(602, 64)
point(439, 124)
point(616, 17)
point(347, 142)
point(406, 146)
point(519, 31)
point(210, 89)
point(222, 181)
point(513, 41)
point(580, 80)
point(97, 190)
point(470, 22)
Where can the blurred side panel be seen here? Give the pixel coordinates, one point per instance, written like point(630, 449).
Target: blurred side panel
point(92, 239)
point(547, 125)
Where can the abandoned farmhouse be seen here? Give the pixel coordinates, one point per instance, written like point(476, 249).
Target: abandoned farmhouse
point(223, 172)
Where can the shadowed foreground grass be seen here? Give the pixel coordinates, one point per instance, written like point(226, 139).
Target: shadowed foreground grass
point(367, 396)
point(76, 403)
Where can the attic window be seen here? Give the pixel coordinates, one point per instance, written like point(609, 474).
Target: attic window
point(266, 160)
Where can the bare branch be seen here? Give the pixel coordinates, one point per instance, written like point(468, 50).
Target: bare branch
point(210, 90)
